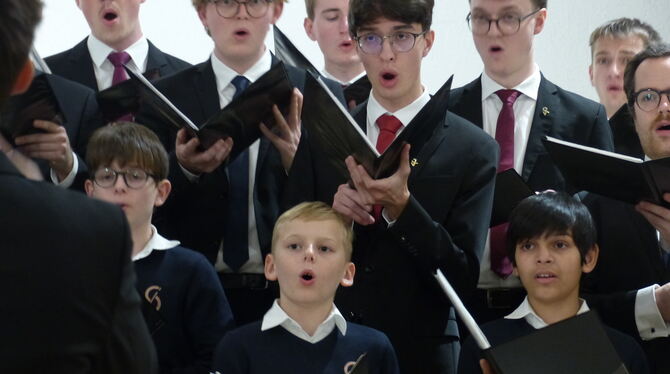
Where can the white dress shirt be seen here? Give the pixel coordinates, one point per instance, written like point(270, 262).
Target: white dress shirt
point(525, 311)
point(103, 68)
point(277, 317)
point(524, 108)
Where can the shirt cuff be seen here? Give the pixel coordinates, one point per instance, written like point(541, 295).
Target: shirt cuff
point(69, 179)
point(190, 176)
point(650, 323)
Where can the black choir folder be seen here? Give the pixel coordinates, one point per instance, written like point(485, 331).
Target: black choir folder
point(239, 119)
point(509, 191)
point(577, 345)
point(286, 51)
point(610, 174)
point(338, 135)
point(38, 102)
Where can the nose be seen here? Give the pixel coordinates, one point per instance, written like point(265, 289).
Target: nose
point(344, 24)
point(493, 25)
point(120, 183)
point(544, 255)
point(664, 105)
point(387, 53)
point(241, 14)
point(310, 253)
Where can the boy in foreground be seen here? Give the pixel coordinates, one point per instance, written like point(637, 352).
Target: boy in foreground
point(184, 304)
point(311, 256)
point(551, 241)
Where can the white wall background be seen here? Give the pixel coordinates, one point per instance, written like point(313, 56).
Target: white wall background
point(561, 49)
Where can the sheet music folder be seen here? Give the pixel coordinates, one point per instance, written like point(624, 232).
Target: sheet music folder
point(617, 176)
point(509, 191)
point(577, 345)
point(338, 135)
point(239, 119)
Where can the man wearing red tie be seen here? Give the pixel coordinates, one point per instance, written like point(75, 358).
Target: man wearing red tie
point(516, 105)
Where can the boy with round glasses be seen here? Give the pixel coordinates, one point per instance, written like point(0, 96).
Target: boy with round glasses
point(183, 303)
point(514, 103)
point(432, 212)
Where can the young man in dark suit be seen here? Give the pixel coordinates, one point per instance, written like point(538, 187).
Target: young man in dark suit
point(66, 259)
point(431, 214)
point(116, 38)
point(225, 208)
point(514, 103)
point(631, 281)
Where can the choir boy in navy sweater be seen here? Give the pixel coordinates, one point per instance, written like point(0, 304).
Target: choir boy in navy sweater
point(304, 332)
point(551, 241)
point(184, 304)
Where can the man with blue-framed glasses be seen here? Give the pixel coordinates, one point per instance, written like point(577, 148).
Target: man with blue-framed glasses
point(515, 104)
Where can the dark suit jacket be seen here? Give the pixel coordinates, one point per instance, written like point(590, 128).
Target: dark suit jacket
point(444, 224)
point(195, 212)
point(76, 64)
point(504, 330)
point(630, 258)
point(68, 284)
point(625, 137)
point(568, 116)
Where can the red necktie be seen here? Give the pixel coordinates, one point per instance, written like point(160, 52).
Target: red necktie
point(500, 263)
point(388, 127)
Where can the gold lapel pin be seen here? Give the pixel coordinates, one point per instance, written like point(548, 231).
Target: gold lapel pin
point(414, 162)
point(545, 111)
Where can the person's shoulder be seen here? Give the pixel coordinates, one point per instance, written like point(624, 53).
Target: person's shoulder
point(469, 131)
point(60, 57)
point(242, 335)
point(570, 99)
point(182, 76)
point(175, 63)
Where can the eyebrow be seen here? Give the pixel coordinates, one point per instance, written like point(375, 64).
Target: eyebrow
point(405, 26)
point(330, 10)
point(503, 10)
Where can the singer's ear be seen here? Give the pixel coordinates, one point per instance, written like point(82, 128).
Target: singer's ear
point(24, 78)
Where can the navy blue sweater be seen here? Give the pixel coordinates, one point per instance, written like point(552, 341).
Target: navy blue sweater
point(248, 350)
point(184, 307)
point(504, 330)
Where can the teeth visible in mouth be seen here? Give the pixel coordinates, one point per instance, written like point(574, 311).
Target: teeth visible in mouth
point(545, 276)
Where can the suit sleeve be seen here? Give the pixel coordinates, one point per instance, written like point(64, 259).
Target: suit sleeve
point(129, 348)
point(601, 137)
point(230, 356)
point(456, 244)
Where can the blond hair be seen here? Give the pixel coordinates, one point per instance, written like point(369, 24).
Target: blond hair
point(315, 211)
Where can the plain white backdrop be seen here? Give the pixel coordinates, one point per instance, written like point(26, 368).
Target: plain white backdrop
point(562, 50)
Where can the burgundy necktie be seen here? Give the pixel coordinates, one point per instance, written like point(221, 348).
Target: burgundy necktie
point(500, 263)
point(388, 127)
point(118, 59)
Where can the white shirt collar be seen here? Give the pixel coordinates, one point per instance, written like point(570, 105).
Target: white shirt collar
point(326, 74)
point(277, 317)
point(156, 242)
point(525, 310)
point(99, 51)
point(224, 75)
point(405, 115)
point(529, 87)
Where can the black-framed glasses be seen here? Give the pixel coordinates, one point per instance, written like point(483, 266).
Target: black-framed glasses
point(649, 99)
point(230, 8)
point(134, 178)
point(401, 41)
point(508, 24)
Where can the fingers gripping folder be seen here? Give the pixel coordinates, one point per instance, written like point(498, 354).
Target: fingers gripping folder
point(577, 345)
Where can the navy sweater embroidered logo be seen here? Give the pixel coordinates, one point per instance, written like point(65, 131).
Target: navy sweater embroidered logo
point(151, 295)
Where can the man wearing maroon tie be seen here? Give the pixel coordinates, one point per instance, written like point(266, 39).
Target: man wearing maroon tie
point(432, 212)
point(516, 105)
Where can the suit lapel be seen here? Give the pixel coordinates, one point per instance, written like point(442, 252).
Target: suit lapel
point(81, 65)
point(472, 103)
point(543, 120)
point(204, 84)
point(155, 63)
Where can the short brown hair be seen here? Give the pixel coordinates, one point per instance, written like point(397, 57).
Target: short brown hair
point(315, 211)
point(309, 7)
point(624, 28)
point(365, 12)
point(655, 50)
point(198, 3)
point(18, 19)
point(539, 4)
point(128, 144)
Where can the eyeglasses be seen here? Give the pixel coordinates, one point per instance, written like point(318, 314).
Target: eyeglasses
point(230, 8)
point(134, 178)
point(649, 99)
point(508, 24)
point(401, 41)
